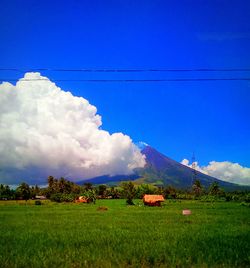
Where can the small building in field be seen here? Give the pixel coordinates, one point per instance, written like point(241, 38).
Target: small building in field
point(82, 199)
point(153, 200)
point(40, 197)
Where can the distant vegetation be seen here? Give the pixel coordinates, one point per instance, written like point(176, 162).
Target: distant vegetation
point(62, 190)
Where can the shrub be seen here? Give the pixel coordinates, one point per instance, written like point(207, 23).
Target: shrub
point(102, 208)
point(229, 197)
point(130, 202)
point(90, 195)
point(56, 197)
point(59, 197)
point(247, 198)
point(245, 204)
point(209, 198)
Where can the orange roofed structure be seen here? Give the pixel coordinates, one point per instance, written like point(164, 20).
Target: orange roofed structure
point(82, 199)
point(153, 200)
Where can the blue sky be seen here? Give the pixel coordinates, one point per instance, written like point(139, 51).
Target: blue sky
point(211, 118)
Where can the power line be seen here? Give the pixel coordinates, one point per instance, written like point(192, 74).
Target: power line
point(128, 70)
point(132, 80)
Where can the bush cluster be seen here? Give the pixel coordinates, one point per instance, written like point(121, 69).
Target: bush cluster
point(60, 197)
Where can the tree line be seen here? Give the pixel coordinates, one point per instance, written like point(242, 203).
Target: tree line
point(63, 190)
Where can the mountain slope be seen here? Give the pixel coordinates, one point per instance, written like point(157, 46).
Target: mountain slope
point(170, 172)
point(162, 170)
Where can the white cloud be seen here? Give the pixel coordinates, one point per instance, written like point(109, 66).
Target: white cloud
point(185, 162)
point(47, 131)
point(226, 171)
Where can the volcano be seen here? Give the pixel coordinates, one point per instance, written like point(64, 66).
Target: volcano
point(161, 170)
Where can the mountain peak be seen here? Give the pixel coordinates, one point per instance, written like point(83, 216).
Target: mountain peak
point(141, 145)
point(156, 159)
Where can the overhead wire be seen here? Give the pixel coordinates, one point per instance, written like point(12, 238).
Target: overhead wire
point(133, 80)
point(152, 70)
point(128, 70)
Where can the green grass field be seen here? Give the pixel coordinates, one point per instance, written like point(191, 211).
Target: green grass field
point(78, 235)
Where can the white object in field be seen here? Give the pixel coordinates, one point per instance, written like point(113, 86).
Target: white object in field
point(186, 212)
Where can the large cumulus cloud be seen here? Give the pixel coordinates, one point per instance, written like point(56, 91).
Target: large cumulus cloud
point(226, 171)
point(45, 130)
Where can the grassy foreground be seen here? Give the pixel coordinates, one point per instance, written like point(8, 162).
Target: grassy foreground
point(78, 235)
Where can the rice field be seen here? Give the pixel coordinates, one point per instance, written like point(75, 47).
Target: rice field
point(80, 235)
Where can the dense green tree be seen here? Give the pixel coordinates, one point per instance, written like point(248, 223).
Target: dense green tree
point(170, 192)
point(45, 191)
point(214, 188)
point(50, 181)
point(32, 192)
point(37, 190)
point(160, 190)
point(50, 189)
point(247, 197)
point(76, 189)
point(6, 192)
point(65, 186)
point(129, 192)
point(88, 186)
point(53, 186)
point(197, 188)
point(102, 191)
point(24, 191)
point(114, 193)
point(145, 189)
point(90, 195)
point(62, 186)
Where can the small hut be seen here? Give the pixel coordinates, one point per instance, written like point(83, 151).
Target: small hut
point(153, 200)
point(82, 199)
point(40, 197)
